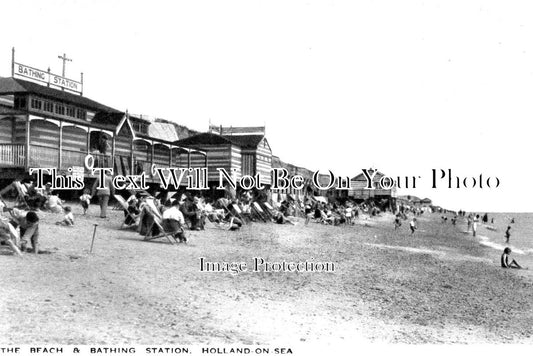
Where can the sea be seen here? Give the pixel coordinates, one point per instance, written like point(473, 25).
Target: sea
point(492, 235)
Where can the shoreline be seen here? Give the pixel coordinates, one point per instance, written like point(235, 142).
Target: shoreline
point(438, 287)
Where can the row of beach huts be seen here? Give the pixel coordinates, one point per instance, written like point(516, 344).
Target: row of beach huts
point(41, 126)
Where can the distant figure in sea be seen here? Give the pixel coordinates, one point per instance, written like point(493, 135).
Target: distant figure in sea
point(492, 220)
point(412, 225)
point(512, 220)
point(474, 225)
point(507, 234)
point(485, 218)
point(454, 220)
point(506, 257)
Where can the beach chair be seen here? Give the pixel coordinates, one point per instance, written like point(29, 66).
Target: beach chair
point(256, 208)
point(269, 209)
point(238, 212)
point(169, 235)
point(22, 194)
point(124, 206)
point(13, 240)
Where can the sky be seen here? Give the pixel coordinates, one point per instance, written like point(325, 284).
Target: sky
point(402, 86)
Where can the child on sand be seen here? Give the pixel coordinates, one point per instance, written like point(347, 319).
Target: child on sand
point(68, 220)
point(505, 259)
point(412, 225)
point(85, 200)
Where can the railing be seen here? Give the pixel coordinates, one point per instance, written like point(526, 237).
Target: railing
point(102, 161)
point(12, 155)
point(72, 158)
point(44, 157)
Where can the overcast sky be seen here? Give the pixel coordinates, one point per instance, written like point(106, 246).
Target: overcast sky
point(403, 86)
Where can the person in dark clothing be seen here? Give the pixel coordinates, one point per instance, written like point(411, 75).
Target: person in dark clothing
point(506, 261)
point(189, 211)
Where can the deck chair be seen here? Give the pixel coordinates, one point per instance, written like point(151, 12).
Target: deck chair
point(21, 195)
point(124, 206)
point(256, 208)
point(169, 235)
point(13, 239)
point(238, 212)
point(268, 209)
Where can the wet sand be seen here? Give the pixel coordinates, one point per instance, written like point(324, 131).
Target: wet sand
point(438, 286)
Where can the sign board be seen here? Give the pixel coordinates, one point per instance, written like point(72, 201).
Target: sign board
point(42, 76)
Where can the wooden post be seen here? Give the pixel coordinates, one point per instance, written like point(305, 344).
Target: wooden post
point(132, 163)
point(59, 160)
point(113, 154)
point(94, 234)
point(27, 163)
point(13, 62)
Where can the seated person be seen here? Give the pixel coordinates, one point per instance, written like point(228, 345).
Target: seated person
point(68, 220)
point(173, 221)
point(279, 218)
point(505, 259)
point(189, 211)
point(132, 218)
point(54, 203)
point(147, 217)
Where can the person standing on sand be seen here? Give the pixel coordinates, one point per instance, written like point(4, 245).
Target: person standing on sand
point(505, 260)
point(507, 234)
point(103, 194)
point(469, 222)
point(412, 225)
point(474, 225)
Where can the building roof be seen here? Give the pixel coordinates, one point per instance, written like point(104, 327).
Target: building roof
point(16, 85)
point(245, 141)
point(163, 131)
point(205, 138)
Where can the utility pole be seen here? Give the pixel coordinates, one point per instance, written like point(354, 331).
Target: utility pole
point(64, 59)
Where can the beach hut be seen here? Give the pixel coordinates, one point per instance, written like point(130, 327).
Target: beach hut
point(46, 127)
point(359, 192)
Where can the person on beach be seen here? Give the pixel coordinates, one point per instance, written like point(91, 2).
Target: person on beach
point(507, 234)
point(397, 222)
point(474, 225)
point(173, 221)
point(506, 256)
point(103, 194)
point(54, 204)
point(85, 200)
point(412, 225)
point(29, 228)
point(68, 220)
point(469, 222)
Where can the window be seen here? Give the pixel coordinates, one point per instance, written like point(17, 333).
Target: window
point(20, 102)
point(48, 106)
point(36, 104)
point(71, 111)
point(60, 109)
point(81, 114)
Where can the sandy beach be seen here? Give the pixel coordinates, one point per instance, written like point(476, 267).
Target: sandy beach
point(437, 286)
